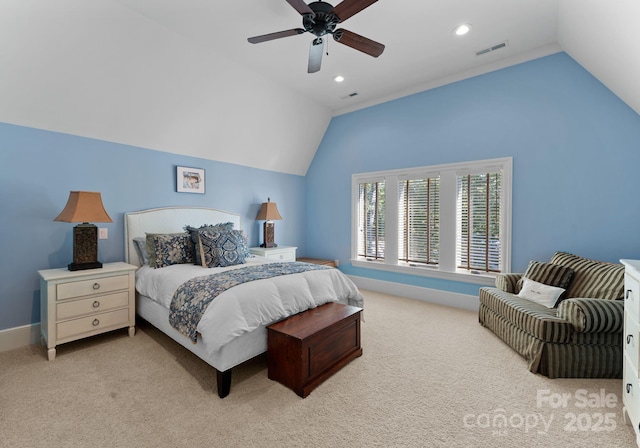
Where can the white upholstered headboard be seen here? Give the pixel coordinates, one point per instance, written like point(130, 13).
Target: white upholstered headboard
point(169, 220)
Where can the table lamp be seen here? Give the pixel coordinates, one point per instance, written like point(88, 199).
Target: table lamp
point(268, 213)
point(82, 207)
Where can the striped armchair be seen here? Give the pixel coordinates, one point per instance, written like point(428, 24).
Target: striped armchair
point(581, 337)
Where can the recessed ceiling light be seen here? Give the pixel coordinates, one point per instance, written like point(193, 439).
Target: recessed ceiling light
point(463, 29)
point(338, 78)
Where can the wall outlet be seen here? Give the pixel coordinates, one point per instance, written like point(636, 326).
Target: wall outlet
point(103, 233)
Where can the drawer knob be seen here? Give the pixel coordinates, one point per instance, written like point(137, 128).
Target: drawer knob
point(628, 387)
point(96, 285)
point(96, 304)
point(95, 322)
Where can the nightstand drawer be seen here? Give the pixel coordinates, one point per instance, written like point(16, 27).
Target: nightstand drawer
point(631, 393)
point(280, 253)
point(631, 343)
point(95, 286)
point(282, 256)
point(96, 322)
point(631, 295)
point(98, 304)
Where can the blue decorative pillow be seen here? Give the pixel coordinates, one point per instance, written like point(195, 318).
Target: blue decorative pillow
point(195, 237)
point(168, 249)
point(221, 248)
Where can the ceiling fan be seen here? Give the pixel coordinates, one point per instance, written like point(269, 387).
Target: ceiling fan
point(320, 18)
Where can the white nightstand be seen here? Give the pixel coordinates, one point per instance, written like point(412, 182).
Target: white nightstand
point(282, 253)
point(77, 304)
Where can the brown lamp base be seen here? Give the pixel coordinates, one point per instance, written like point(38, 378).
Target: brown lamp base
point(82, 266)
point(85, 247)
point(268, 232)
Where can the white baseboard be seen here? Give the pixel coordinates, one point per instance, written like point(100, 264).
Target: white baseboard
point(19, 337)
point(437, 296)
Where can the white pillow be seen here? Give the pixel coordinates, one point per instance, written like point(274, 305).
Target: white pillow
point(540, 293)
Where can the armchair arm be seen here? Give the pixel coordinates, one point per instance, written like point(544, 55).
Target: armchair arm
point(507, 282)
point(593, 315)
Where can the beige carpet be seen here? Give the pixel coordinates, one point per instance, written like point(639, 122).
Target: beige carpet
point(430, 376)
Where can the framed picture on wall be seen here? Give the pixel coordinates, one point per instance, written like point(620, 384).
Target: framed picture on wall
point(189, 180)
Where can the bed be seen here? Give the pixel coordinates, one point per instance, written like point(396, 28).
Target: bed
point(225, 339)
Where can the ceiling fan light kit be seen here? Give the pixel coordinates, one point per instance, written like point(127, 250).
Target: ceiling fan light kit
point(321, 18)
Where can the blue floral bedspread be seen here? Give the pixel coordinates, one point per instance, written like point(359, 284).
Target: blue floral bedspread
point(191, 299)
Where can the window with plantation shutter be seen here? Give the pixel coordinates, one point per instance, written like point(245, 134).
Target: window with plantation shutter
point(478, 220)
point(448, 221)
point(371, 220)
point(419, 220)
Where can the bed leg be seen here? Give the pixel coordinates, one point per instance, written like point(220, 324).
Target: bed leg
point(224, 382)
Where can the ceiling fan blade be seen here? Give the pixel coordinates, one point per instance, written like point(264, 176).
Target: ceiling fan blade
point(276, 35)
point(301, 7)
point(358, 42)
point(349, 8)
point(315, 55)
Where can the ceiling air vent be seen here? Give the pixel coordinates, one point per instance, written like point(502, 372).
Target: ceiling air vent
point(492, 48)
point(351, 95)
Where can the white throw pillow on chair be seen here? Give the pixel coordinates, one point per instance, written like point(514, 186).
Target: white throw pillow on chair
point(540, 293)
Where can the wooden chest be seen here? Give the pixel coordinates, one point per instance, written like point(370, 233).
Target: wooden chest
point(307, 348)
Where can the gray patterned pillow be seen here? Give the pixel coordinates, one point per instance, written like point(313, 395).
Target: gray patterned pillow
point(245, 245)
point(548, 274)
point(168, 249)
point(140, 245)
point(221, 248)
point(195, 237)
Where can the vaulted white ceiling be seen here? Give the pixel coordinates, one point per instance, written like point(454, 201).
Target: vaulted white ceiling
point(179, 75)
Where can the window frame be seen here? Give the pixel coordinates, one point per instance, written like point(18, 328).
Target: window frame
point(448, 179)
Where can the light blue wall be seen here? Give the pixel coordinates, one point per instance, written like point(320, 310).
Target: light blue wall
point(575, 149)
point(557, 122)
point(39, 168)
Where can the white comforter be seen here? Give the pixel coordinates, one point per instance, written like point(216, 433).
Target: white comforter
point(250, 305)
